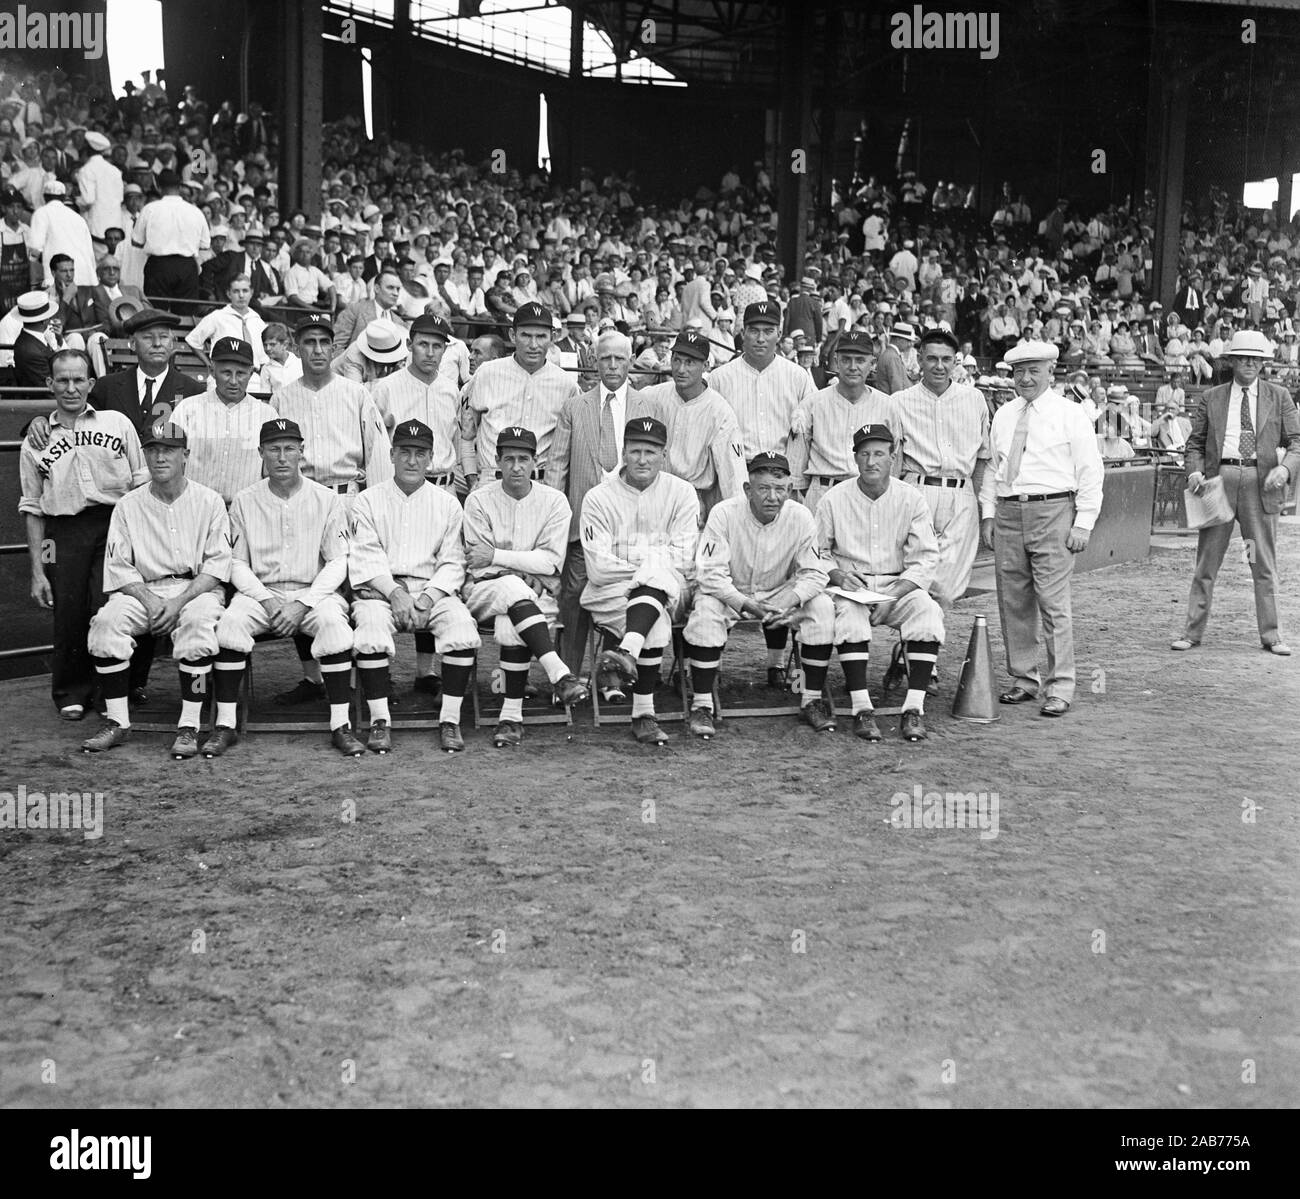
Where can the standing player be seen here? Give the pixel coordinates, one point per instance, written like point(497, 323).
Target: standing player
point(876, 532)
point(168, 555)
point(704, 442)
point(345, 447)
point(222, 427)
point(516, 532)
point(757, 558)
point(766, 391)
point(290, 558)
point(524, 389)
point(69, 491)
point(639, 531)
point(407, 566)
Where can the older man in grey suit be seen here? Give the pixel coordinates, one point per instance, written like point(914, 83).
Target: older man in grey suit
point(586, 450)
point(355, 317)
point(1247, 434)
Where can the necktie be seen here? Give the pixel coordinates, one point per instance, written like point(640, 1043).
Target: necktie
point(148, 399)
point(243, 328)
point(1018, 439)
point(1246, 442)
point(608, 442)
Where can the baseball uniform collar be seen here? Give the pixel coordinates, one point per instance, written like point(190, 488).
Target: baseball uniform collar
point(58, 412)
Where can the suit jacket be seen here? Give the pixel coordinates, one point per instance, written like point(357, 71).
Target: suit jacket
point(353, 319)
point(31, 360)
point(101, 305)
point(572, 465)
point(117, 393)
point(1277, 427)
point(1180, 304)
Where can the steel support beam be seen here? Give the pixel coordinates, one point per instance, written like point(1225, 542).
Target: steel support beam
point(790, 173)
point(1169, 193)
point(302, 83)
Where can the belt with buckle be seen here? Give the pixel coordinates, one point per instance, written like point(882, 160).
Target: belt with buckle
point(438, 480)
point(1038, 499)
point(346, 488)
point(829, 481)
point(1236, 461)
point(937, 480)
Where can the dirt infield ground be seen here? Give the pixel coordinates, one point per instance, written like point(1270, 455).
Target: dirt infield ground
point(509, 928)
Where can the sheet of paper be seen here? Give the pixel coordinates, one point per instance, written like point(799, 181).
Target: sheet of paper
point(861, 597)
point(1209, 508)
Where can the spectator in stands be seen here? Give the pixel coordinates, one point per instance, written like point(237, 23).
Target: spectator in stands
point(237, 320)
point(307, 286)
point(32, 350)
point(57, 229)
point(283, 364)
point(172, 233)
point(100, 188)
point(1123, 349)
point(15, 250)
point(1200, 357)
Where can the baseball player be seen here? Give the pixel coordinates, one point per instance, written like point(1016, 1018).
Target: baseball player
point(167, 557)
point(875, 534)
point(516, 532)
point(704, 442)
point(639, 532)
point(821, 441)
point(222, 426)
point(69, 491)
point(757, 558)
point(289, 560)
point(345, 448)
point(766, 392)
point(524, 389)
point(407, 566)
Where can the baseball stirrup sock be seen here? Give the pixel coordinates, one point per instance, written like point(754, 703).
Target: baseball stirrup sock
point(457, 666)
point(530, 624)
point(816, 661)
point(776, 639)
point(228, 674)
point(195, 679)
point(425, 650)
point(336, 669)
point(645, 605)
point(372, 674)
point(514, 666)
point(921, 657)
point(704, 672)
point(853, 660)
point(310, 667)
point(647, 679)
point(114, 685)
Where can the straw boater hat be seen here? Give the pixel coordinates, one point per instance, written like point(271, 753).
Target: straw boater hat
point(35, 306)
point(1248, 343)
point(381, 342)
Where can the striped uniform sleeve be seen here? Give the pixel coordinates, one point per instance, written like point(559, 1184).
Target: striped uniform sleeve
point(810, 576)
point(374, 437)
point(216, 541)
point(241, 564)
point(449, 557)
point(367, 561)
point(333, 552)
point(550, 542)
point(713, 561)
point(727, 449)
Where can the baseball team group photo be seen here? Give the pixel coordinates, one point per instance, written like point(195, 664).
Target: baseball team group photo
point(582, 561)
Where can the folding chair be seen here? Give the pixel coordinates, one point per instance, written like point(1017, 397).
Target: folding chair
point(793, 672)
point(497, 687)
point(594, 644)
point(249, 694)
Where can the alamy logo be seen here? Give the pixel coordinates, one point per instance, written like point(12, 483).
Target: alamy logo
point(82, 810)
point(77, 1152)
point(25, 30)
point(946, 809)
point(920, 30)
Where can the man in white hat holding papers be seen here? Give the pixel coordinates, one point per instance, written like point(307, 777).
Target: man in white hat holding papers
point(1245, 433)
point(1039, 500)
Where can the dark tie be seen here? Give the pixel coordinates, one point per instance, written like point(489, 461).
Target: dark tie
point(608, 441)
point(148, 399)
point(1246, 442)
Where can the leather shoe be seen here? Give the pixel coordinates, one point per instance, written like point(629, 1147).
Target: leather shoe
point(1280, 648)
point(647, 731)
point(865, 726)
point(428, 684)
point(303, 692)
point(380, 740)
point(776, 678)
point(138, 697)
point(110, 736)
point(912, 726)
point(569, 689)
point(819, 715)
point(347, 742)
point(1053, 706)
point(449, 737)
point(221, 739)
point(701, 723)
point(619, 666)
point(1183, 643)
point(1017, 695)
point(186, 744)
point(73, 712)
point(509, 733)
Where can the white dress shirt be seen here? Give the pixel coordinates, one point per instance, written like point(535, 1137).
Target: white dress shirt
point(1232, 430)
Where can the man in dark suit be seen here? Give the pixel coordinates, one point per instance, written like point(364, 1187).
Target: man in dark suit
point(1247, 434)
point(32, 353)
point(355, 317)
point(1189, 302)
point(104, 310)
point(587, 448)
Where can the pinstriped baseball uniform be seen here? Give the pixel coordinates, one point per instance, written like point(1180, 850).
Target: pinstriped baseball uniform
point(944, 437)
point(704, 442)
point(164, 546)
point(530, 537)
point(295, 548)
point(223, 441)
point(401, 396)
point(344, 439)
point(765, 402)
point(821, 445)
point(740, 558)
point(501, 393)
point(413, 541)
point(882, 540)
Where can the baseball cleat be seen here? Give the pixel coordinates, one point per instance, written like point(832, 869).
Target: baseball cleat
point(865, 726)
point(186, 744)
point(776, 678)
point(305, 692)
point(381, 737)
point(347, 742)
point(701, 722)
point(72, 712)
point(449, 737)
point(912, 726)
point(222, 738)
point(619, 667)
point(569, 689)
point(110, 735)
point(429, 684)
point(139, 696)
point(509, 733)
point(647, 731)
point(896, 675)
point(818, 714)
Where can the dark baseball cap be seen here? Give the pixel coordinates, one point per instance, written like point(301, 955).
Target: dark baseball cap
point(314, 320)
point(164, 432)
point(413, 432)
point(278, 430)
point(872, 433)
point(431, 323)
point(646, 428)
point(769, 460)
point(855, 341)
point(765, 312)
point(232, 349)
point(515, 437)
point(693, 344)
point(532, 314)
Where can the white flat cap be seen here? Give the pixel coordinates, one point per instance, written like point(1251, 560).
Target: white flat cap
point(1031, 351)
point(97, 142)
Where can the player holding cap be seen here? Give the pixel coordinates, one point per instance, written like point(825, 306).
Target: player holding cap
point(704, 442)
point(407, 567)
point(290, 557)
point(766, 392)
point(222, 427)
point(525, 390)
point(639, 532)
point(875, 534)
point(516, 533)
point(757, 558)
point(822, 438)
point(168, 555)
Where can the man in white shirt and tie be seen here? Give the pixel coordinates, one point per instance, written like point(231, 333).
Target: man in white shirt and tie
point(1039, 500)
point(236, 319)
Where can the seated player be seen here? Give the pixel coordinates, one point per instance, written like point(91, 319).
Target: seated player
point(875, 534)
point(290, 557)
point(516, 534)
point(168, 555)
point(407, 566)
point(639, 532)
point(757, 558)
